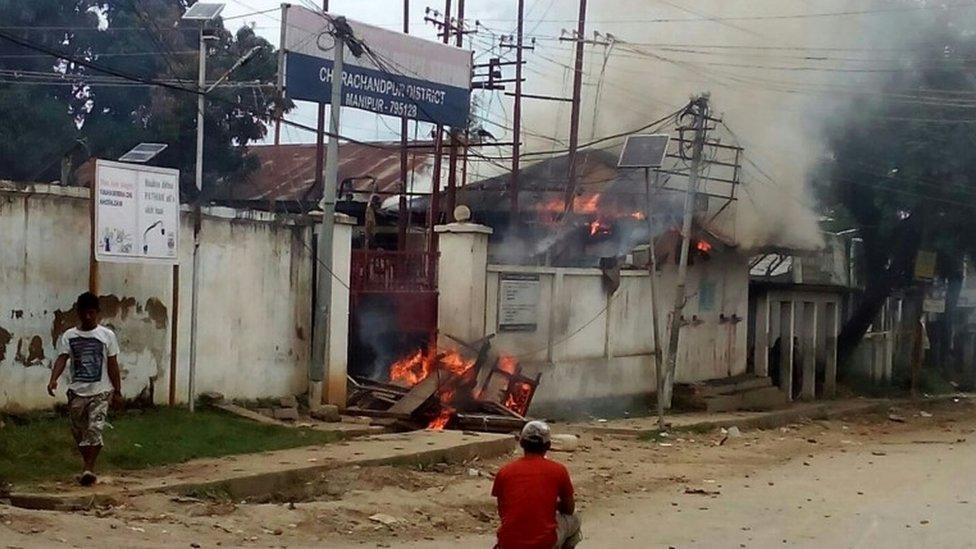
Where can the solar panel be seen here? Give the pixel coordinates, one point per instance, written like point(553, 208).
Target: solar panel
point(644, 151)
point(143, 152)
point(203, 11)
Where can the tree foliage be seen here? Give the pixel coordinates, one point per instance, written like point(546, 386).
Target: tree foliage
point(50, 107)
point(901, 168)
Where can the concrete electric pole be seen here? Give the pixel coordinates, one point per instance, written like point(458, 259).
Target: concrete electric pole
point(323, 306)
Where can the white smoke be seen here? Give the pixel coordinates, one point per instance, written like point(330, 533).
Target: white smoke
point(772, 79)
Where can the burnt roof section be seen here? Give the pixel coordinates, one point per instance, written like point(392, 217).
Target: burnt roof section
point(596, 172)
point(287, 172)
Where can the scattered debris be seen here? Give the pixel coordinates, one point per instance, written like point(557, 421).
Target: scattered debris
point(384, 519)
point(211, 397)
point(326, 412)
point(923, 413)
point(185, 499)
point(565, 443)
point(896, 418)
point(878, 453)
point(702, 491)
point(733, 432)
point(286, 414)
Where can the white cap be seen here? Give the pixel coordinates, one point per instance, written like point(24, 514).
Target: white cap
point(536, 431)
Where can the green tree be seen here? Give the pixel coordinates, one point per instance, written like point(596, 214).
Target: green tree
point(901, 170)
point(48, 106)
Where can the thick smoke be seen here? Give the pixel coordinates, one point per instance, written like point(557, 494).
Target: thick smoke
point(773, 81)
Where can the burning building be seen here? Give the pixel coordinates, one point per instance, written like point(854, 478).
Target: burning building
point(569, 294)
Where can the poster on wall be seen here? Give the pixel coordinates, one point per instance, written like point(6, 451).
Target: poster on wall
point(137, 213)
point(518, 302)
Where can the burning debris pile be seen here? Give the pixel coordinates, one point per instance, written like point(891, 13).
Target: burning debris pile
point(444, 388)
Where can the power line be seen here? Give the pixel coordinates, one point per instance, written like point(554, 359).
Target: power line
point(704, 18)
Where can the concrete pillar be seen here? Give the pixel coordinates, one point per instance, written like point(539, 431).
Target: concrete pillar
point(808, 330)
point(830, 350)
point(338, 363)
point(760, 354)
point(462, 272)
point(786, 331)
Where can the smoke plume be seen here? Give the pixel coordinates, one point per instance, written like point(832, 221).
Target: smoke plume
point(776, 70)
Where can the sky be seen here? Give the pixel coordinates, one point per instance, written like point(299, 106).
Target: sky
point(777, 71)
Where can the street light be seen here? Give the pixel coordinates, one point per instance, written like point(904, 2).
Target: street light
point(202, 12)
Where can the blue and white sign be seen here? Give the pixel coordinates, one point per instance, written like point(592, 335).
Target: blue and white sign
point(404, 76)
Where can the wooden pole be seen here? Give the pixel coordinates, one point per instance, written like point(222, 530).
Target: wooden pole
point(575, 115)
point(174, 334)
point(92, 263)
point(402, 213)
point(513, 185)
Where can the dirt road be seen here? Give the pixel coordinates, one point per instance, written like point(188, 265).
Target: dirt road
point(910, 490)
point(854, 483)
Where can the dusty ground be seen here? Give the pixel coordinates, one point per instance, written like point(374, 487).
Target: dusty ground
point(451, 503)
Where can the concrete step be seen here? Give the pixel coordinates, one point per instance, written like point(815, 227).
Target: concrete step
point(762, 398)
point(692, 396)
point(734, 385)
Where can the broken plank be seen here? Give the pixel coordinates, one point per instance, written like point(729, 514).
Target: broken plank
point(488, 422)
point(418, 395)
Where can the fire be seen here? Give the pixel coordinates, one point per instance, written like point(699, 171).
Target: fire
point(598, 226)
point(416, 367)
point(441, 421)
point(518, 397)
point(420, 365)
point(508, 364)
point(587, 204)
point(703, 246)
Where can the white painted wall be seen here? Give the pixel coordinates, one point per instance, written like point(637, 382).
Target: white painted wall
point(255, 300)
point(591, 349)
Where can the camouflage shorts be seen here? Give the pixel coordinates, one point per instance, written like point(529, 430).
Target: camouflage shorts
point(88, 417)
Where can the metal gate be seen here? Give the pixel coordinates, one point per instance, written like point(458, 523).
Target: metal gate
point(392, 309)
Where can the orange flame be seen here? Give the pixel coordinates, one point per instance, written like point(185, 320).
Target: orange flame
point(441, 421)
point(416, 367)
point(508, 364)
point(703, 246)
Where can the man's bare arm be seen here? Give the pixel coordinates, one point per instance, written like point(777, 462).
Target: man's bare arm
point(114, 374)
point(56, 371)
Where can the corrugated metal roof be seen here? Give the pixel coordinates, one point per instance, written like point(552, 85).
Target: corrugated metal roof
point(287, 171)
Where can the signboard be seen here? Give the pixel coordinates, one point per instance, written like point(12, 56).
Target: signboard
point(518, 302)
point(400, 75)
point(137, 213)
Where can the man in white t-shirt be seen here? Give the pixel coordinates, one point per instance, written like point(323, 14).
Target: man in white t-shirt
point(94, 380)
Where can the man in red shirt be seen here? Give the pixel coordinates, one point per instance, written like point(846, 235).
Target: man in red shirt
point(535, 497)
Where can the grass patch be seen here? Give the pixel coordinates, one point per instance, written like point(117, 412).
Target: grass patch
point(40, 449)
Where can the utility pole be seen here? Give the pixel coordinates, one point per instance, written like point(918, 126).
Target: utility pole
point(652, 272)
point(323, 317)
point(197, 215)
point(402, 214)
point(575, 115)
point(513, 185)
point(699, 109)
point(319, 132)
